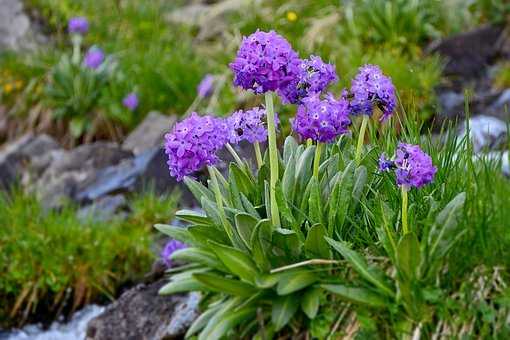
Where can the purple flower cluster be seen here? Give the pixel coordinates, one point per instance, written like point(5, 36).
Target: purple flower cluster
point(412, 166)
point(248, 125)
point(265, 62)
point(130, 101)
point(94, 57)
point(314, 76)
point(78, 25)
point(206, 86)
point(193, 144)
point(372, 88)
point(171, 247)
point(322, 120)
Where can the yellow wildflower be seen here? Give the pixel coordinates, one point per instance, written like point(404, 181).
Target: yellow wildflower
point(291, 16)
point(8, 88)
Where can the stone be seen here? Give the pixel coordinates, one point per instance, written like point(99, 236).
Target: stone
point(105, 209)
point(16, 30)
point(486, 132)
point(141, 313)
point(150, 133)
point(501, 106)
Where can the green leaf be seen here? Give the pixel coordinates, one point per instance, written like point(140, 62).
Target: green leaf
point(192, 217)
point(361, 179)
point(198, 189)
point(408, 255)
point(245, 225)
point(284, 308)
point(179, 233)
point(293, 281)
point(244, 183)
point(289, 147)
point(180, 286)
point(228, 322)
point(314, 202)
point(202, 234)
point(212, 211)
point(202, 320)
point(198, 255)
point(288, 182)
point(357, 295)
point(238, 262)
point(248, 207)
point(315, 244)
point(341, 199)
point(310, 302)
point(223, 285)
point(286, 243)
point(304, 167)
point(261, 244)
point(267, 280)
point(361, 266)
point(283, 207)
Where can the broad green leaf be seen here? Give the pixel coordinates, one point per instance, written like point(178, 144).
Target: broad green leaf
point(202, 234)
point(238, 262)
point(293, 281)
point(289, 147)
point(286, 243)
point(223, 285)
point(192, 217)
point(359, 264)
point(315, 202)
point(361, 179)
point(212, 211)
point(244, 183)
point(229, 321)
point(283, 207)
point(408, 255)
point(245, 225)
point(249, 208)
point(310, 302)
point(179, 233)
point(202, 320)
point(198, 189)
point(181, 286)
point(261, 244)
point(198, 255)
point(284, 308)
point(289, 179)
point(267, 280)
point(235, 192)
point(343, 197)
point(225, 309)
point(315, 244)
point(304, 167)
point(357, 295)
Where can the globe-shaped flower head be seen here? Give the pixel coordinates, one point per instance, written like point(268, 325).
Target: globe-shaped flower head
point(78, 25)
point(314, 76)
point(372, 88)
point(265, 62)
point(248, 125)
point(322, 120)
point(193, 144)
point(412, 166)
point(94, 57)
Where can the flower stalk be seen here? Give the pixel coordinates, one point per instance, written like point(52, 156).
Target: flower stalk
point(361, 138)
point(273, 158)
point(258, 155)
point(317, 160)
point(404, 189)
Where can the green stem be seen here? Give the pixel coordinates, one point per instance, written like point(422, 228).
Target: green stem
point(258, 155)
point(405, 227)
point(76, 39)
point(235, 155)
point(219, 203)
point(273, 159)
point(317, 160)
point(309, 142)
point(361, 138)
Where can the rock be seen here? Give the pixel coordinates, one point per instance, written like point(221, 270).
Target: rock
point(486, 132)
point(17, 156)
point(105, 209)
point(468, 54)
point(150, 133)
point(501, 106)
point(496, 156)
point(134, 174)
point(16, 30)
point(71, 171)
point(140, 313)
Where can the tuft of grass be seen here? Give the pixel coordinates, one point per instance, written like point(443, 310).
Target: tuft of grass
point(53, 262)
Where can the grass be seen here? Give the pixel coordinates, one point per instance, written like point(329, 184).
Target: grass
point(55, 263)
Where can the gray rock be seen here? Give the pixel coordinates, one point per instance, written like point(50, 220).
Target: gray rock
point(105, 209)
point(140, 313)
point(501, 106)
point(150, 133)
point(486, 132)
point(16, 30)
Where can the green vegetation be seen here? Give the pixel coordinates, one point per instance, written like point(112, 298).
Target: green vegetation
point(54, 262)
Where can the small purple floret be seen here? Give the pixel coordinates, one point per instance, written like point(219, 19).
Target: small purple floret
point(265, 62)
point(169, 248)
point(130, 101)
point(248, 125)
point(412, 166)
point(372, 88)
point(78, 25)
point(94, 57)
point(193, 144)
point(322, 120)
point(314, 76)
point(206, 86)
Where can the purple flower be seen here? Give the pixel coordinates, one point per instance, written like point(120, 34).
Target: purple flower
point(314, 77)
point(193, 144)
point(78, 25)
point(130, 101)
point(265, 62)
point(94, 57)
point(322, 120)
point(248, 125)
point(371, 87)
point(206, 86)
point(412, 166)
point(169, 248)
